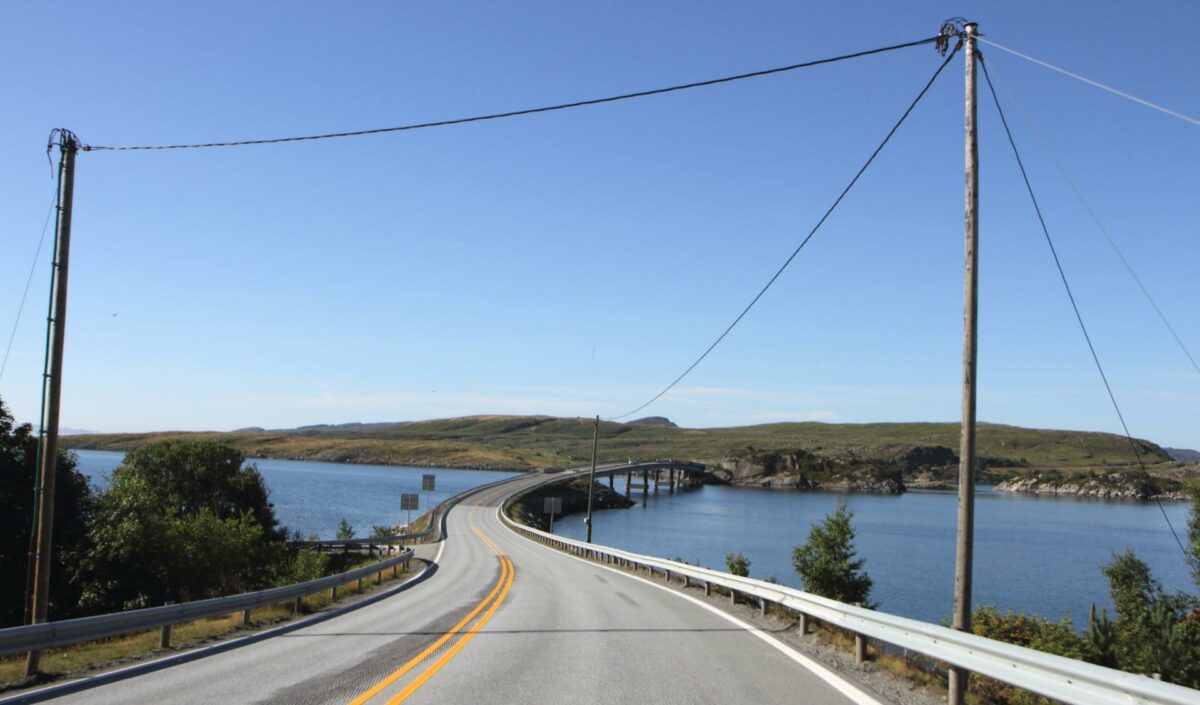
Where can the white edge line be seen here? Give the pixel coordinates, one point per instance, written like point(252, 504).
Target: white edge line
point(843, 686)
point(222, 645)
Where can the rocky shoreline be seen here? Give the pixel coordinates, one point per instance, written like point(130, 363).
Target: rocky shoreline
point(1116, 485)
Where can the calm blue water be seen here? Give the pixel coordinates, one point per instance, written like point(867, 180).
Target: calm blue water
point(1033, 554)
point(312, 497)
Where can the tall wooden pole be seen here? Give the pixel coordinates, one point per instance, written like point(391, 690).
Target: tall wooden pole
point(966, 467)
point(592, 479)
point(52, 392)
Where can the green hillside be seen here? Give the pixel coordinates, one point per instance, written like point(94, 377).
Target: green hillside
point(534, 442)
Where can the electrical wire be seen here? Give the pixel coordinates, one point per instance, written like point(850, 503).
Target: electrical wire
point(803, 242)
point(1096, 219)
point(526, 111)
point(28, 280)
point(1074, 306)
point(1096, 84)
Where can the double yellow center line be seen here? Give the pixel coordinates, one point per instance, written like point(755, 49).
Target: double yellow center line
point(490, 603)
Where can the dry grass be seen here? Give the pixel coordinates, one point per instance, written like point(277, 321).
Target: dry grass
point(82, 658)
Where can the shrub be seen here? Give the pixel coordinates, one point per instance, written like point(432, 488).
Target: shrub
point(737, 564)
point(828, 565)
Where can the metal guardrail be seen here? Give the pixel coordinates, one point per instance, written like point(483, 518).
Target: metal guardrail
point(1056, 677)
point(46, 635)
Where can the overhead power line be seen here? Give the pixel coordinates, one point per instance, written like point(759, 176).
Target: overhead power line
point(526, 111)
point(37, 254)
point(1045, 145)
point(1096, 84)
point(1074, 306)
point(803, 242)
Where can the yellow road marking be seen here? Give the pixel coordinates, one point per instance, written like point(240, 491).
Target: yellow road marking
point(486, 540)
point(505, 575)
point(470, 634)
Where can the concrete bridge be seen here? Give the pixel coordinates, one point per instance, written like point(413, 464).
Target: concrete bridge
point(671, 474)
point(508, 614)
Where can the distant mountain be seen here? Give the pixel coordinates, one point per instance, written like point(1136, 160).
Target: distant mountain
point(654, 421)
point(325, 427)
point(1183, 455)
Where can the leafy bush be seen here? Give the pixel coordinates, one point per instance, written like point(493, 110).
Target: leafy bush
point(737, 564)
point(827, 562)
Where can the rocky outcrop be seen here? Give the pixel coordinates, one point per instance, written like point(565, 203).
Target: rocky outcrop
point(1116, 485)
point(802, 470)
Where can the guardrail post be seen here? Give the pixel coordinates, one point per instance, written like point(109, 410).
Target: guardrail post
point(379, 578)
point(732, 596)
point(687, 582)
point(395, 574)
point(860, 649)
point(164, 637)
point(762, 607)
point(297, 604)
point(333, 593)
point(803, 623)
point(245, 617)
point(707, 588)
point(360, 584)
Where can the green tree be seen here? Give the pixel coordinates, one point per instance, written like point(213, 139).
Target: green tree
point(737, 564)
point(383, 531)
point(345, 532)
point(1157, 632)
point(182, 520)
point(72, 508)
point(827, 562)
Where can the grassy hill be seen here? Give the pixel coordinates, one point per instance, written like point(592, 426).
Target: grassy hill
point(534, 442)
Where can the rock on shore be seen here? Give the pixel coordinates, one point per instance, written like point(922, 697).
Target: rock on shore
point(1115, 485)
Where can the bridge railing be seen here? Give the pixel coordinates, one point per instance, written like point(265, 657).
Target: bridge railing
point(1056, 677)
point(47, 635)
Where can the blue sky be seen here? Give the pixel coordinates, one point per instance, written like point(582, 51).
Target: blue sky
point(574, 263)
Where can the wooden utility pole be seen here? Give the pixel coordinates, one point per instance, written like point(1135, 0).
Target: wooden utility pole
point(592, 480)
point(51, 393)
point(966, 462)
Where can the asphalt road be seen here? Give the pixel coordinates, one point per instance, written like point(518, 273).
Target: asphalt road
point(503, 620)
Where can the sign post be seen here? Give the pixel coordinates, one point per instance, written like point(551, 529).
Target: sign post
point(552, 506)
point(409, 502)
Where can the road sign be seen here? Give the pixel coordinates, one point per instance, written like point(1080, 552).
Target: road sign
point(410, 501)
point(428, 483)
point(552, 505)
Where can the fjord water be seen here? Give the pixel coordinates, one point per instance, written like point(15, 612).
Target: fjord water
point(312, 497)
point(1032, 554)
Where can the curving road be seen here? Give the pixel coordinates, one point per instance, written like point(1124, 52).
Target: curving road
point(503, 620)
